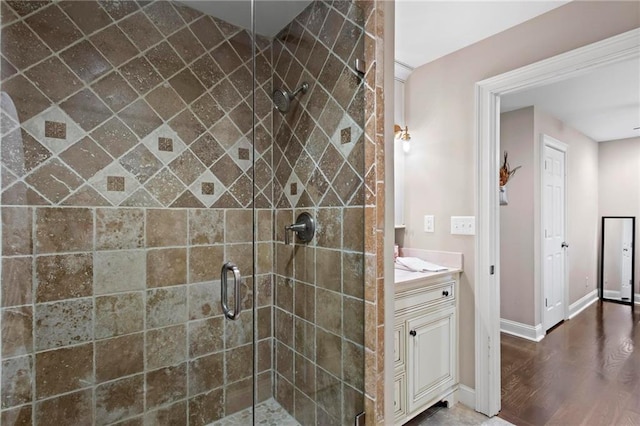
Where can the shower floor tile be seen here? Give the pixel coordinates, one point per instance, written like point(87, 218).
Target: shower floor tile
point(268, 413)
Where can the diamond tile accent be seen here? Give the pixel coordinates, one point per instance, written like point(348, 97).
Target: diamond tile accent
point(293, 195)
point(165, 144)
point(107, 186)
point(167, 138)
point(208, 188)
point(242, 154)
point(56, 130)
point(37, 126)
point(345, 135)
point(115, 183)
point(346, 127)
point(208, 180)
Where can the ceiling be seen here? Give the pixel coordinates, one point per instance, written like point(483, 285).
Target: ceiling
point(427, 30)
point(603, 104)
point(272, 15)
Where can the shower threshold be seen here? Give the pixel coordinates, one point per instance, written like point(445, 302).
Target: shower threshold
point(268, 413)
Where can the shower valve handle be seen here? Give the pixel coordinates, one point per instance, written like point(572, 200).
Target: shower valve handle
point(305, 228)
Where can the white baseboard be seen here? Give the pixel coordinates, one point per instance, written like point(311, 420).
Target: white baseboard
point(467, 396)
point(583, 303)
point(525, 331)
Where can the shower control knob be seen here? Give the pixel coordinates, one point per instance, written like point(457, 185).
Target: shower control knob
point(412, 332)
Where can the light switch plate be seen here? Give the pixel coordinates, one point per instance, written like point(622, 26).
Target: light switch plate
point(429, 223)
point(463, 225)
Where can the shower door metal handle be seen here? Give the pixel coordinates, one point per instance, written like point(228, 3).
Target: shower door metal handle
point(224, 295)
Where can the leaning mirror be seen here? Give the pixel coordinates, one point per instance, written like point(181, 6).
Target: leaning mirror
point(617, 259)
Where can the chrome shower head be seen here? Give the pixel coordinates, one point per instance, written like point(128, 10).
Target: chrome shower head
point(282, 98)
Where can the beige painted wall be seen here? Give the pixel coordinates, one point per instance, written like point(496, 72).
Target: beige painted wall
point(516, 219)
point(440, 103)
point(520, 133)
point(619, 172)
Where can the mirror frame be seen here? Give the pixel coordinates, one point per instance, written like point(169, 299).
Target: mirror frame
point(633, 263)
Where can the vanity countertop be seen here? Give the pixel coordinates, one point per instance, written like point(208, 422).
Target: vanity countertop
point(405, 278)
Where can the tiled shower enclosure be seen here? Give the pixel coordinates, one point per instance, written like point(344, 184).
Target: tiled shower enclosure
point(140, 150)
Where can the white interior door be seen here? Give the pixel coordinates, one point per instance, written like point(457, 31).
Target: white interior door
point(625, 273)
point(554, 235)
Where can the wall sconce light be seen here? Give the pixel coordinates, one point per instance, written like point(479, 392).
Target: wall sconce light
point(404, 136)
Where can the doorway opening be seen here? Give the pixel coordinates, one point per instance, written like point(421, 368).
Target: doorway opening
point(487, 263)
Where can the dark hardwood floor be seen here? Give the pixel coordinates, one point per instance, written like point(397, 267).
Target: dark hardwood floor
point(584, 372)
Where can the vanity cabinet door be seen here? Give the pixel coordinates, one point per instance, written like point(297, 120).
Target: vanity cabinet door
point(399, 345)
point(399, 403)
point(431, 350)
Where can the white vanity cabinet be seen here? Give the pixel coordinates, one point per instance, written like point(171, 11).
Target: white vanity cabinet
point(426, 343)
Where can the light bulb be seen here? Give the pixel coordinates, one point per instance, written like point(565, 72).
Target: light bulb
point(406, 146)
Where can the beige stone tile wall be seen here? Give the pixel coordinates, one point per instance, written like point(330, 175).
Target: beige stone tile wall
point(124, 110)
point(126, 325)
point(126, 161)
point(319, 156)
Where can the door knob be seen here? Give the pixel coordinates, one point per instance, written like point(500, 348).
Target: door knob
point(564, 245)
point(412, 332)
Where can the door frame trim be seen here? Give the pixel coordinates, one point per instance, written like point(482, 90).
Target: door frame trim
point(551, 142)
point(487, 158)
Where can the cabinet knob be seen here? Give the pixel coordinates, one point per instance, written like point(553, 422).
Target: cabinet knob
point(412, 332)
point(445, 293)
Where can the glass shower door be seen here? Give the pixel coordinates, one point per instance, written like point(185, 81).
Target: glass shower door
point(127, 160)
